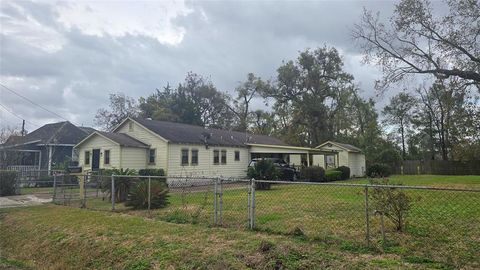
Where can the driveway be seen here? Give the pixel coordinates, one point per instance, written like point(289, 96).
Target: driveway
point(23, 200)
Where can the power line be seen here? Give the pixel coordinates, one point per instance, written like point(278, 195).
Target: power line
point(36, 104)
point(18, 116)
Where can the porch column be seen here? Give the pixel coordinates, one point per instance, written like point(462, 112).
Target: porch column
point(50, 152)
point(308, 159)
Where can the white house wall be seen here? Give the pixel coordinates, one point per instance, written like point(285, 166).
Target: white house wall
point(357, 164)
point(134, 158)
point(205, 165)
point(147, 137)
point(98, 142)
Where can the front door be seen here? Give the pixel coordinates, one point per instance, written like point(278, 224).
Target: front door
point(95, 159)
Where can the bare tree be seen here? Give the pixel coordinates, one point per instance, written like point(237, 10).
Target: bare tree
point(121, 106)
point(418, 41)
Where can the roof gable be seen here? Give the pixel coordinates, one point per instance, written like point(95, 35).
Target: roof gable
point(56, 133)
point(344, 146)
point(120, 139)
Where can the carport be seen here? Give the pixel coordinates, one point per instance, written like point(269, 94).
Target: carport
point(294, 155)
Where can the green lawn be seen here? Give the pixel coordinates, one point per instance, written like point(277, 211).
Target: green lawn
point(442, 226)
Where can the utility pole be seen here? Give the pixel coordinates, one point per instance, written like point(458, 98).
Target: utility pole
point(23, 127)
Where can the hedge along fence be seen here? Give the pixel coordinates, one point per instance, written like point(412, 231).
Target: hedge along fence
point(8, 185)
point(441, 167)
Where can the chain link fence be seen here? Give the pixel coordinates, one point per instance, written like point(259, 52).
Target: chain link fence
point(385, 217)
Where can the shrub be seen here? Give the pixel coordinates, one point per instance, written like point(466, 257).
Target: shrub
point(44, 181)
point(393, 203)
point(151, 172)
point(122, 184)
point(263, 170)
point(332, 175)
point(8, 183)
point(345, 172)
point(313, 174)
point(378, 170)
point(138, 194)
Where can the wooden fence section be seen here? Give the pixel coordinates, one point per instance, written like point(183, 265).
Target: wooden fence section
point(442, 167)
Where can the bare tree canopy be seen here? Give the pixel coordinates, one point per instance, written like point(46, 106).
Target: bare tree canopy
point(418, 40)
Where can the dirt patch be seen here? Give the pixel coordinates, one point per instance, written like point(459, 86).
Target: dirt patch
point(22, 200)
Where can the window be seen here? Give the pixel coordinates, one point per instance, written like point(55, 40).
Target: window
point(237, 155)
point(194, 157)
point(106, 157)
point(224, 156)
point(216, 157)
point(87, 157)
point(151, 156)
point(184, 157)
point(130, 126)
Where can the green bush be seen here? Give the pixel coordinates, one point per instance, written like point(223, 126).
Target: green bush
point(345, 172)
point(138, 194)
point(122, 184)
point(313, 174)
point(333, 175)
point(44, 181)
point(151, 172)
point(378, 170)
point(263, 170)
point(7, 183)
point(393, 203)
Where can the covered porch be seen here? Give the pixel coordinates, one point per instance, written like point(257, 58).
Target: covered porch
point(21, 160)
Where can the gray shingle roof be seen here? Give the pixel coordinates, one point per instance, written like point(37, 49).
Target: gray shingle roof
point(190, 134)
point(123, 139)
point(55, 133)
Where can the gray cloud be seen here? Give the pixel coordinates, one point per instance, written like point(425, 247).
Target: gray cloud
point(222, 40)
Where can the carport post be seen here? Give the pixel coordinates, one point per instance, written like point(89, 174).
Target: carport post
point(113, 192)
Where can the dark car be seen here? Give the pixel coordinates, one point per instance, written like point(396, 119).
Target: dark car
point(287, 173)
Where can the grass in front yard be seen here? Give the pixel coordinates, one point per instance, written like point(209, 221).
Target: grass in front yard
point(442, 226)
point(57, 237)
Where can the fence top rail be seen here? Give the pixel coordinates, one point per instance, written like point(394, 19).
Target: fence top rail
point(369, 185)
point(176, 177)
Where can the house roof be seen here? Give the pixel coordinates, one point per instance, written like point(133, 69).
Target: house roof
point(190, 134)
point(55, 133)
point(123, 139)
point(345, 146)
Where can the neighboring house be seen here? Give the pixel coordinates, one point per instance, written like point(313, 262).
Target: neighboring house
point(42, 148)
point(342, 154)
point(183, 150)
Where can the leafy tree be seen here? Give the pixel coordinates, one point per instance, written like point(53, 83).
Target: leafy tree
point(399, 113)
point(195, 101)
point(121, 106)
point(246, 92)
point(447, 115)
point(310, 91)
point(419, 40)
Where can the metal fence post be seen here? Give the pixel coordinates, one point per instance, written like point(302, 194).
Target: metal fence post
point(113, 192)
point(54, 188)
point(252, 205)
point(221, 202)
point(85, 192)
point(215, 190)
point(149, 192)
point(367, 217)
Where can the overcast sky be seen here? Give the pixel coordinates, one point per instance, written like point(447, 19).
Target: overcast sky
point(68, 56)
